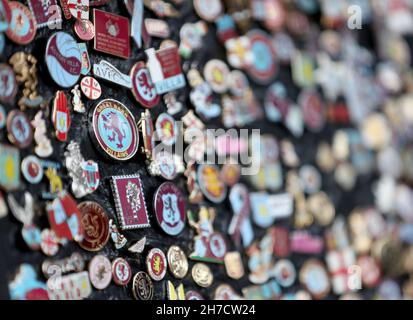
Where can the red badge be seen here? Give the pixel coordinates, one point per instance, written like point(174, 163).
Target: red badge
point(46, 13)
point(65, 217)
point(79, 9)
point(49, 242)
point(121, 272)
point(91, 88)
point(19, 129)
point(61, 116)
point(8, 85)
point(156, 264)
point(281, 241)
point(84, 29)
point(169, 207)
point(142, 86)
point(130, 202)
point(65, 9)
point(22, 27)
point(313, 109)
point(111, 34)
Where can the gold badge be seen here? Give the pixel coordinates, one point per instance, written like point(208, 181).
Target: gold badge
point(177, 262)
point(202, 275)
point(233, 265)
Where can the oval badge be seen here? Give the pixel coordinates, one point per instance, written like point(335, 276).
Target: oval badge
point(20, 132)
point(142, 86)
point(115, 130)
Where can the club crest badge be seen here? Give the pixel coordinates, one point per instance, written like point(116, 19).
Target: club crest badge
point(211, 184)
point(142, 86)
point(65, 218)
point(106, 71)
point(91, 173)
point(86, 65)
point(142, 286)
point(8, 84)
point(63, 59)
point(46, 13)
point(91, 88)
point(121, 272)
point(19, 129)
point(95, 225)
point(22, 27)
point(130, 202)
point(32, 169)
point(156, 264)
point(166, 129)
point(61, 116)
point(9, 167)
point(79, 9)
point(100, 272)
point(115, 130)
point(5, 15)
point(75, 286)
point(84, 29)
point(210, 246)
point(169, 207)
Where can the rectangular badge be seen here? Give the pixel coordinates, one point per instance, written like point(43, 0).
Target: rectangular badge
point(130, 202)
point(75, 286)
point(9, 167)
point(112, 34)
point(46, 13)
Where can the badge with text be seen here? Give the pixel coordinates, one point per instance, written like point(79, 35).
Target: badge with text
point(156, 264)
point(108, 72)
point(46, 13)
point(95, 225)
point(91, 88)
point(142, 86)
point(22, 27)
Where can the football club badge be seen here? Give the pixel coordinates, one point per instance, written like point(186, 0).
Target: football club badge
point(19, 129)
point(100, 272)
point(90, 88)
point(339, 262)
point(65, 9)
point(209, 246)
point(79, 9)
point(233, 265)
point(211, 184)
point(65, 217)
point(277, 104)
point(226, 28)
point(8, 84)
point(31, 235)
point(177, 293)
point(112, 34)
point(156, 264)
point(310, 179)
point(193, 295)
point(226, 292)
point(142, 286)
point(55, 181)
point(240, 226)
point(285, 273)
point(138, 247)
point(230, 173)
point(32, 169)
point(305, 243)
point(202, 275)
point(95, 225)
point(91, 174)
point(208, 10)
point(63, 59)
point(284, 47)
point(121, 272)
point(22, 27)
point(49, 242)
point(75, 286)
point(260, 209)
point(191, 37)
point(115, 130)
point(106, 71)
point(26, 286)
point(157, 28)
point(61, 116)
point(78, 105)
point(169, 204)
point(43, 147)
point(177, 262)
point(314, 277)
point(86, 64)
point(281, 241)
point(5, 15)
point(84, 29)
point(166, 129)
point(46, 13)
point(119, 240)
point(166, 165)
point(130, 202)
point(313, 110)
point(165, 69)
point(74, 263)
point(264, 68)
point(216, 72)
point(9, 167)
point(142, 86)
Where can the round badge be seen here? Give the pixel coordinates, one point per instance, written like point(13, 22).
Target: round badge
point(22, 27)
point(314, 277)
point(283, 46)
point(91, 88)
point(216, 72)
point(84, 29)
point(177, 262)
point(238, 83)
point(193, 295)
point(49, 242)
point(202, 275)
point(3, 116)
point(310, 179)
point(95, 225)
point(166, 129)
point(169, 207)
point(142, 86)
point(142, 288)
point(230, 173)
point(63, 59)
point(312, 107)
point(285, 273)
point(321, 208)
point(8, 84)
point(165, 164)
point(277, 105)
point(121, 272)
point(32, 236)
point(100, 272)
point(156, 264)
point(115, 129)
point(264, 67)
point(19, 129)
point(5, 15)
point(370, 271)
point(208, 10)
point(32, 169)
point(210, 183)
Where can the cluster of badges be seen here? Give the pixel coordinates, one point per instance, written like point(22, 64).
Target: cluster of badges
point(337, 120)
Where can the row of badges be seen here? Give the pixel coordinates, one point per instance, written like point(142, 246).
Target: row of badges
point(359, 252)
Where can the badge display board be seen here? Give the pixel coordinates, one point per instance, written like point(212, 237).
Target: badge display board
point(14, 251)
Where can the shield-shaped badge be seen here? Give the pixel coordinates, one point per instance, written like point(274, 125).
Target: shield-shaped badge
point(91, 173)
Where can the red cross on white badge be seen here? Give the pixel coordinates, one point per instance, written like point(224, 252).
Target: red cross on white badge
point(90, 88)
point(79, 9)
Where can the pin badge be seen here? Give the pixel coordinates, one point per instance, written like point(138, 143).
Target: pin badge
point(130, 202)
point(43, 147)
point(208, 10)
point(314, 277)
point(177, 293)
point(26, 286)
point(166, 165)
point(49, 242)
point(216, 72)
point(106, 71)
point(78, 105)
point(79, 9)
point(143, 88)
point(45, 15)
point(157, 28)
point(84, 29)
point(233, 265)
point(8, 85)
point(100, 272)
point(209, 180)
point(177, 262)
point(75, 286)
point(166, 129)
point(32, 169)
point(121, 272)
point(114, 129)
point(142, 286)
point(5, 15)
point(19, 129)
point(193, 295)
point(61, 116)
point(90, 88)
point(73, 263)
point(22, 27)
point(118, 239)
point(95, 225)
point(63, 59)
point(112, 34)
point(138, 247)
point(86, 64)
point(156, 264)
point(226, 292)
point(169, 207)
point(191, 35)
point(285, 273)
point(202, 275)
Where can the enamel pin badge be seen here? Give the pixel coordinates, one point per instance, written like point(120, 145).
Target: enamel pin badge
point(79, 9)
point(9, 167)
point(22, 27)
point(130, 202)
point(61, 116)
point(106, 71)
point(143, 88)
